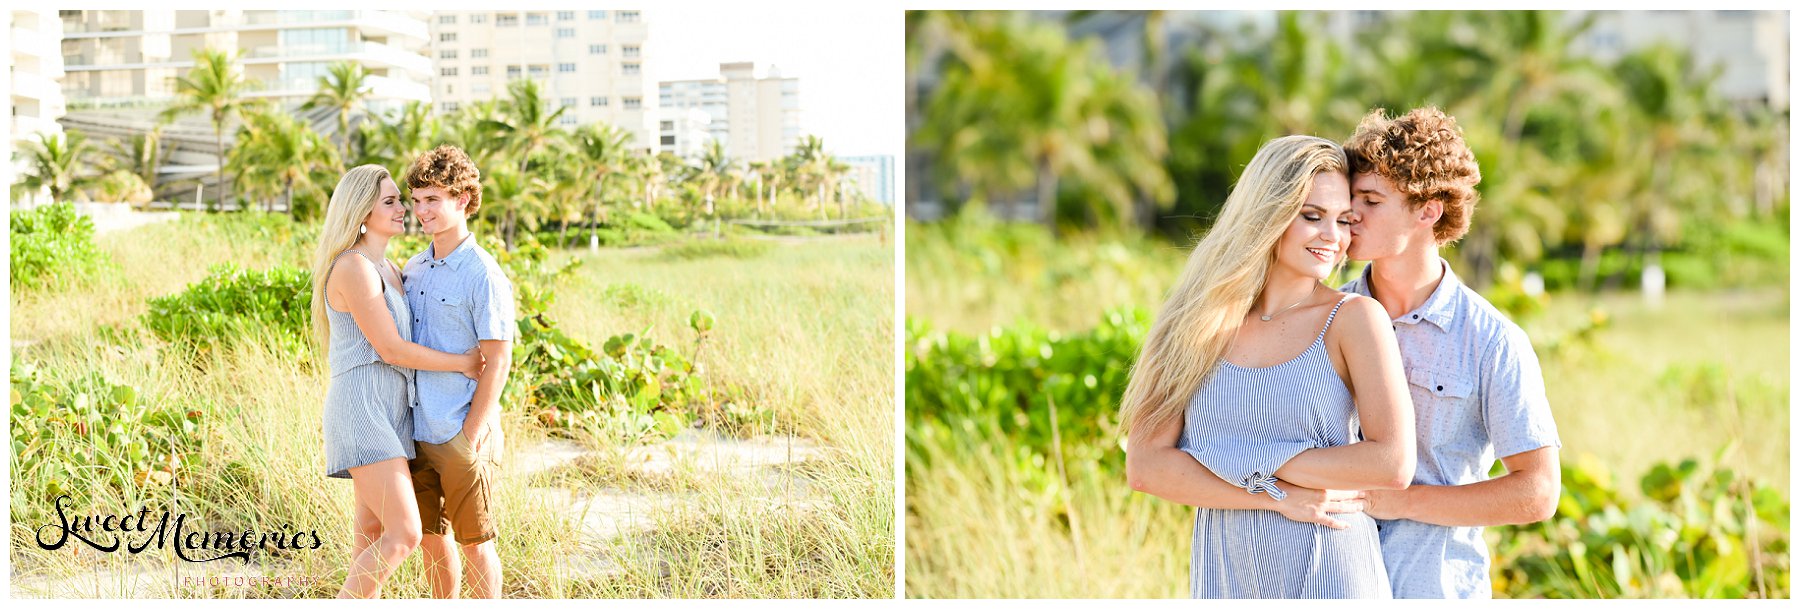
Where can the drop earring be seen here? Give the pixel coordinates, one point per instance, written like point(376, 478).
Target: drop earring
point(363, 230)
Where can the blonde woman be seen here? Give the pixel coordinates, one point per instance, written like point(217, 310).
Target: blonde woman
point(1259, 388)
point(362, 319)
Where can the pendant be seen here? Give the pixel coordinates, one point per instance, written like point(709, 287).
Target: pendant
point(1265, 318)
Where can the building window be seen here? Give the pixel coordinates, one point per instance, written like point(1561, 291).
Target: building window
point(481, 87)
point(448, 106)
point(539, 70)
point(632, 103)
point(478, 18)
point(537, 19)
point(596, 15)
point(668, 140)
point(597, 102)
point(596, 49)
point(568, 102)
point(630, 68)
point(478, 71)
point(446, 19)
point(512, 72)
point(506, 20)
point(667, 125)
point(631, 50)
point(565, 15)
point(567, 119)
point(447, 37)
point(565, 32)
point(447, 71)
point(565, 68)
point(477, 53)
point(447, 54)
point(628, 16)
point(449, 89)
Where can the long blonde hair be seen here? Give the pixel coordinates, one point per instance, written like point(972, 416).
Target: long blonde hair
point(1224, 275)
point(351, 203)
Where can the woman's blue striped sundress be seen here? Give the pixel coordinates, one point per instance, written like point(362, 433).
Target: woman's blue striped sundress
point(1243, 424)
point(368, 406)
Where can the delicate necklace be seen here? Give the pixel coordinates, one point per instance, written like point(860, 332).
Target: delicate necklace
point(1270, 316)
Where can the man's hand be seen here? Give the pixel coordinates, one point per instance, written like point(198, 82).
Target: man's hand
point(1383, 505)
point(1316, 506)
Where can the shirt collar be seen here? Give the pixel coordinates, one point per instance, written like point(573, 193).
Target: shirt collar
point(455, 260)
point(1439, 309)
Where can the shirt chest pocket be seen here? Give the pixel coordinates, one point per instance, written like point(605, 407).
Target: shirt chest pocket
point(1443, 403)
point(450, 318)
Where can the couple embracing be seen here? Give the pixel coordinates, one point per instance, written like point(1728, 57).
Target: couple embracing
point(1337, 441)
point(418, 357)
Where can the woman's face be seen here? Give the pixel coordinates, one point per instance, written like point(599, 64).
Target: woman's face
point(1317, 239)
point(389, 216)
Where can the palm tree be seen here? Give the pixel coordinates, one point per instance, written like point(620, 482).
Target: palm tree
point(1019, 105)
point(285, 155)
point(140, 154)
point(344, 89)
point(58, 163)
point(712, 170)
point(402, 136)
point(216, 87)
point(603, 150)
point(528, 125)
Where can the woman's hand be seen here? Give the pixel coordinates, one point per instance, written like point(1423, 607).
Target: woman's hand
point(1316, 506)
point(473, 363)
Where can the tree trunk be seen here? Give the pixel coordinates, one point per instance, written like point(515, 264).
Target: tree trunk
point(219, 140)
point(290, 201)
point(1046, 195)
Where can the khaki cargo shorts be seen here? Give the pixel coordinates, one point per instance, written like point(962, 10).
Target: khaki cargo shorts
point(455, 486)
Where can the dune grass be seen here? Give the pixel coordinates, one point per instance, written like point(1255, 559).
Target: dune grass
point(1702, 372)
point(806, 329)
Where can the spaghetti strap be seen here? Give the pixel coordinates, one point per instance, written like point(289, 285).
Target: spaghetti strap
point(1332, 316)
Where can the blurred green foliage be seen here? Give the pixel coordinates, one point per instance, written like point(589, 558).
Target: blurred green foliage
point(1575, 152)
point(52, 243)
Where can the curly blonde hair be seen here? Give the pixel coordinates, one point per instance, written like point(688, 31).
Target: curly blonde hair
point(447, 167)
point(1424, 155)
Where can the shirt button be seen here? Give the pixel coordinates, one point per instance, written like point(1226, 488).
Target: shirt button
point(1440, 387)
point(1415, 317)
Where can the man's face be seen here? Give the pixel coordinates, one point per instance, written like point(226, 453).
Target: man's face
point(1385, 225)
point(437, 210)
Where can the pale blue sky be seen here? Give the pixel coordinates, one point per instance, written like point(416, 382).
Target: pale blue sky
point(849, 60)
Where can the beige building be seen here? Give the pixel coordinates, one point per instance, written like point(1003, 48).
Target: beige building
point(684, 132)
point(758, 119)
point(591, 62)
point(121, 59)
point(34, 66)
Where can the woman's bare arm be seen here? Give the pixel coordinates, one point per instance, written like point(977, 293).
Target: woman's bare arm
point(1385, 458)
point(356, 286)
point(1154, 465)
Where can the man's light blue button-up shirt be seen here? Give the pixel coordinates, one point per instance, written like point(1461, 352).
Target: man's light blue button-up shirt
point(457, 301)
point(1478, 395)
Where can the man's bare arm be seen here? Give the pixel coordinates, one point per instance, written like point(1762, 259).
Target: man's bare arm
point(485, 406)
point(1527, 493)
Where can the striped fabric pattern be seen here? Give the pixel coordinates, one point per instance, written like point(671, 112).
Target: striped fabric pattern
point(367, 417)
point(1243, 424)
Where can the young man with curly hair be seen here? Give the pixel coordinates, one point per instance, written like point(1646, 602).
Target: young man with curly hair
point(1477, 389)
point(459, 299)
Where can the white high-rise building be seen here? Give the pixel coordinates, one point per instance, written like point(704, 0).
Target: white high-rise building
point(127, 59)
point(685, 132)
point(758, 119)
point(873, 175)
point(593, 63)
point(34, 66)
point(1750, 47)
